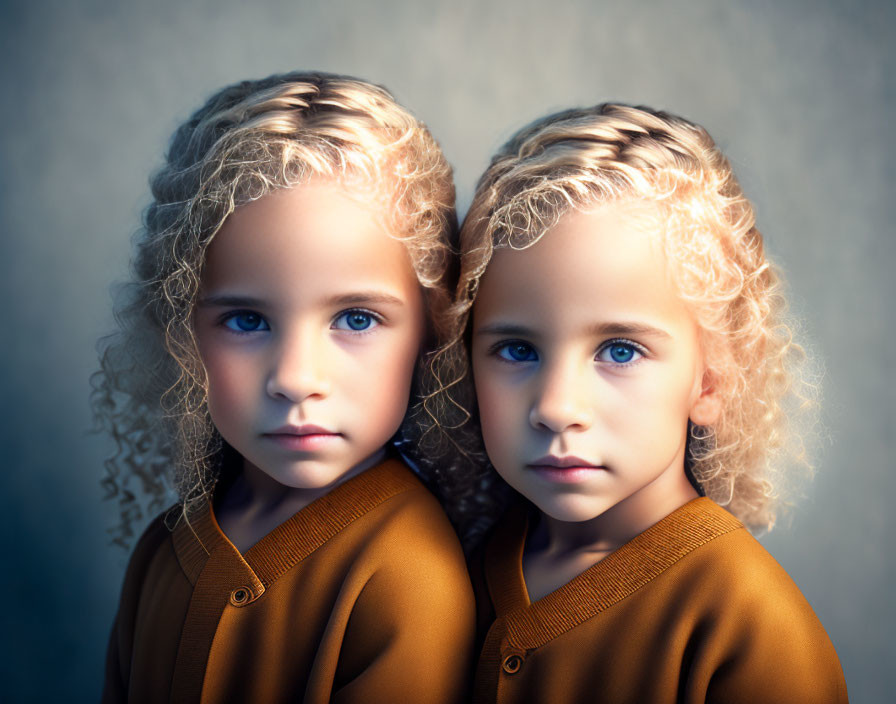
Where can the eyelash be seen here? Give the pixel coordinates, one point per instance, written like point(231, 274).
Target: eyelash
point(234, 314)
point(376, 320)
point(495, 351)
point(640, 349)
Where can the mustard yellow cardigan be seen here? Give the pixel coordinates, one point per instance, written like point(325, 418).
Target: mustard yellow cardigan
point(362, 596)
point(692, 610)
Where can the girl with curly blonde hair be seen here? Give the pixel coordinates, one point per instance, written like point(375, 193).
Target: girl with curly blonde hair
point(638, 386)
point(293, 270)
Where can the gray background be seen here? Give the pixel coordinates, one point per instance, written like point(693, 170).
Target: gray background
point(800, 95)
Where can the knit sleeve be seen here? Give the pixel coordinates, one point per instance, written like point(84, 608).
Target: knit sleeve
point(765, 642)
point(115, 687)
point(121, 639)
point(411, 631)
point(485, 611)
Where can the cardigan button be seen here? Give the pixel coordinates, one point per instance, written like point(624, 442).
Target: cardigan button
point(239, 596)
point(512, 664)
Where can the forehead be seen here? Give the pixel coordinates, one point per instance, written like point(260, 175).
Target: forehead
point(599, 265)
point(312, 233)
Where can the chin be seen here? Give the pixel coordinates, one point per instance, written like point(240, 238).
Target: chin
point(571, 508)
point(311, 476)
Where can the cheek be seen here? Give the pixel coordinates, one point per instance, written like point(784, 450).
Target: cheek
point(491, 410)
point(501, 417)
point(230, 381)
point(657, 406)
point(383, 386)
point(394, 377)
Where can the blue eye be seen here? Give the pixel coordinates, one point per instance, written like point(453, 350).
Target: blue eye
point(618, 352)
point(245, 321)
point(516, 352)
point(355, 321)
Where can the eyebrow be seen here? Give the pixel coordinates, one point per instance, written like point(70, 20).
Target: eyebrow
point(347, 299)
point(362, 297)
point(600, 329)
point(504, 329)
point(627, 329)
point(230, 301)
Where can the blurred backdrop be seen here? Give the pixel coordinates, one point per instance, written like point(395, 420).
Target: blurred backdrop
point(800, 94)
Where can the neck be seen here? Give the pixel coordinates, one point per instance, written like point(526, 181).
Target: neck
point(256, 493)
point(256, 503)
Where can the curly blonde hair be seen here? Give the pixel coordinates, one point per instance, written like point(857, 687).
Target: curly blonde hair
point(613, 153)
point(249, 139)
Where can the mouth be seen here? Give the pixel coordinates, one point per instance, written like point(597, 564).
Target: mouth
point(565, 470)
point(302, 437)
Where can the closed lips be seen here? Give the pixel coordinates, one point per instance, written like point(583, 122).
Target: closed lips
point(568, 462)
point(301, 430)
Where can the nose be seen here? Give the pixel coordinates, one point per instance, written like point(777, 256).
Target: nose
point(298, 369)
point(562, 400)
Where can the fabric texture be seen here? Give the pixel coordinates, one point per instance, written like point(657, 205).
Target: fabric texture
point(362, 596)
point(692, 610)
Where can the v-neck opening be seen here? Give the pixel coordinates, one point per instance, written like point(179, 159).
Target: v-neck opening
point(601, 585)
point(300, 534)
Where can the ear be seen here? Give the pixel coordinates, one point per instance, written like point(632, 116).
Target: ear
point(707, 406)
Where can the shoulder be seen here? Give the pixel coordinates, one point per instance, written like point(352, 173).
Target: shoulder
point(755, 622)
point(414, 582)
point(150, 546)
point(416, 521)
point(737, 565)
point(412, 510)
point(410, 546)
point(731, 562)
point(153, 537)
point(412, 622)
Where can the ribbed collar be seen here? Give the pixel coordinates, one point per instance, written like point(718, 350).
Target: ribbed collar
point(622, 572)
point(297, 537)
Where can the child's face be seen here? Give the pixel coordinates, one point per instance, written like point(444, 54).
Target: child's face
point(309, 323)
point(587, 366)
